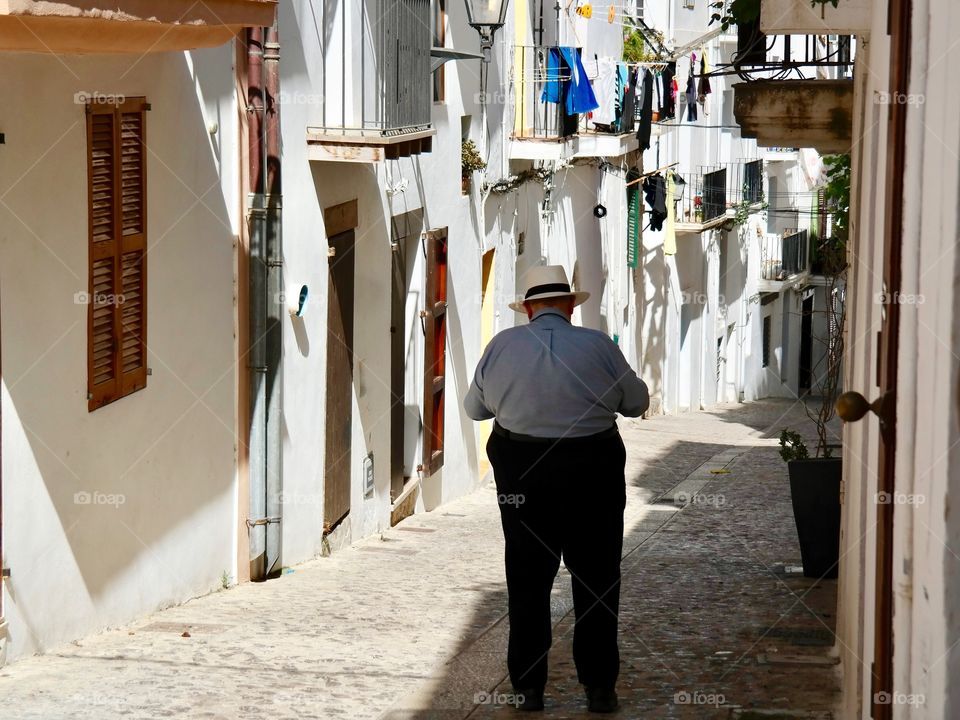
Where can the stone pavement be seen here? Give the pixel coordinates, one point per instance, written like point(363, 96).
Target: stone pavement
point(714, 622)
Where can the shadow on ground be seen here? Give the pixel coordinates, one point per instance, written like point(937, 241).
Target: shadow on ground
point(715, 622)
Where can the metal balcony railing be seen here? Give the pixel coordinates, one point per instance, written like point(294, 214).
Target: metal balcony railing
point(384, 85)
point(535, 118)
point(746, 182)
point(782, 256)
point(703, 197)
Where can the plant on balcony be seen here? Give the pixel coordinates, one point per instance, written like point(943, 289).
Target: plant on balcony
point(636, 48)
point(470, 161)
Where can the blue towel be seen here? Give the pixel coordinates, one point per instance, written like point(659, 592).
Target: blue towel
point(552, 88)
point(580, 97)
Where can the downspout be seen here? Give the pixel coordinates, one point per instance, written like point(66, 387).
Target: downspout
point(266, 331)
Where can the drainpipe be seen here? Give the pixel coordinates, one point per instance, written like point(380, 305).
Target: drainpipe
point(265, 293)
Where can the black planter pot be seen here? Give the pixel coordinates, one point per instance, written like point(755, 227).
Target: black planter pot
point(815, 491)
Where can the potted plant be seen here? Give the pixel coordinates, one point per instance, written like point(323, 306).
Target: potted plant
point(470, 161)
point(815, 481)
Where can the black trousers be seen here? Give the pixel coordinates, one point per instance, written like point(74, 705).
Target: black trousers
point(565, 499)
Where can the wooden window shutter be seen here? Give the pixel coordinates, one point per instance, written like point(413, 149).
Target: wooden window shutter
point(117, 197)
point(435, 349)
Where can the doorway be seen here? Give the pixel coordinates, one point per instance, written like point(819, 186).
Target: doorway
point(487, 329)
point(340, 315)
point(806, 347)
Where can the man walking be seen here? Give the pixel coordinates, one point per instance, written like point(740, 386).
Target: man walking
point(558, 461)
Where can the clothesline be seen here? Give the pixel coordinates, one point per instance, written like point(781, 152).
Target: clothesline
point(652, 172)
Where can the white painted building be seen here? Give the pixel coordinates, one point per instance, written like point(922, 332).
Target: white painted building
point(120, 213)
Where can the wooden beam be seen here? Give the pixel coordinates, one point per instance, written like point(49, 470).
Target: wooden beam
point(340, 218)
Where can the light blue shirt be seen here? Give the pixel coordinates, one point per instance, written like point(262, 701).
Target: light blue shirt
point(552, 379)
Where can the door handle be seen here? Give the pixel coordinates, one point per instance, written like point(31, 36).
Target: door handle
point(852, 406)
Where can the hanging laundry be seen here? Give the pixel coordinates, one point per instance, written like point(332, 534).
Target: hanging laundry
point(646, 111)
point(605, 89)
point(703, 86)
point(669, 95)
point(655, 193)
point(628, 118)
point(567, 84)
point(691, 97)
point(580, 97)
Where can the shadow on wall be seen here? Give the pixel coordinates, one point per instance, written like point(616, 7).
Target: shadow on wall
point(134, 475)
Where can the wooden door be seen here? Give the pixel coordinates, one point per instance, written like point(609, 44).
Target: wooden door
point(882, 670)
point(340, 313)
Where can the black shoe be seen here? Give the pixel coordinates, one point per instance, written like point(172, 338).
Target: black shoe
point(532, 700)
point(602, 700)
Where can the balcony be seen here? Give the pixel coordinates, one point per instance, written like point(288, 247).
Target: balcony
point(84, 27)
point(378, 89)
point(703, 201)
point(541, 130)
point(784, 260)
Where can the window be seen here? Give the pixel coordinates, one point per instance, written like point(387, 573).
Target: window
point(689, 4)
point(766, 341)
point(117, 221)
point(639, 10)
point(439, 22)
point(434, 349)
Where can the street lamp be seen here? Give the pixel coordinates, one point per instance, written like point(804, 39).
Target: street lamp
point(485, 16)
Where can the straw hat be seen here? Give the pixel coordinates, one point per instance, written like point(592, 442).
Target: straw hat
point(548, 281)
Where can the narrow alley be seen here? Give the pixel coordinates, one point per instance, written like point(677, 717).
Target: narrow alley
point(715, 621)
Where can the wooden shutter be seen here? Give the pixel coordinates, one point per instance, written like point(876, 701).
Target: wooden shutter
point(435, 349)
point(117, 196)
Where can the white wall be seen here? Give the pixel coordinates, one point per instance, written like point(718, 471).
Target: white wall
point(168, 449)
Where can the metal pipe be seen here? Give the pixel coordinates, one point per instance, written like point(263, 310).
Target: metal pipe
point(265, 293)
point(257, 297)
point(275, 305)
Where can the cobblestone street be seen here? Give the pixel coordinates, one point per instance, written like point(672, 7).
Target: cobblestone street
point(715, 621)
